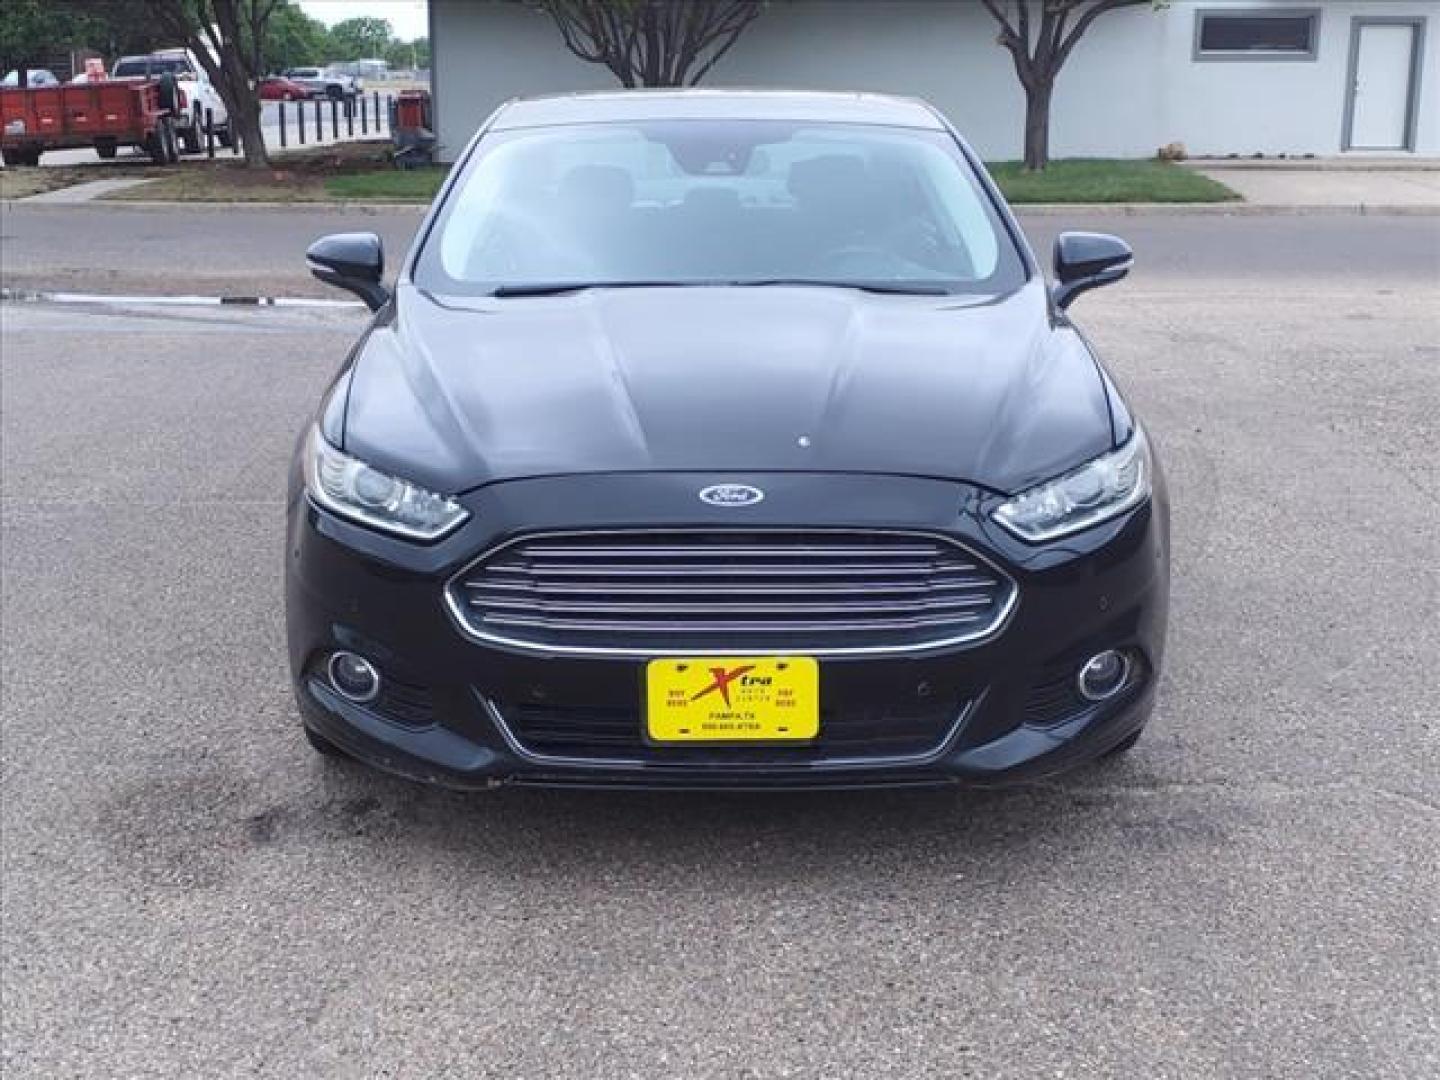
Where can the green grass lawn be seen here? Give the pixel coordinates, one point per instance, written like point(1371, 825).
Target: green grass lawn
point(1102, 180)
point(403, 185)
point(361, 171)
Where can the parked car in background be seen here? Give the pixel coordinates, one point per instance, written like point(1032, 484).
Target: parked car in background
point(352, 80)
point(359, 70)
point(324, 82)
point(279, 88)
point(195, 94)
point(33, 77)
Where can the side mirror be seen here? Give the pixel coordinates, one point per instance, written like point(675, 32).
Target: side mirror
point(1085, 261)
point(351, 261)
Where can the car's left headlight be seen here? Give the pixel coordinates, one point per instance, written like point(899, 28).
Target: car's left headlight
point(1099, 490)
point(352, 489)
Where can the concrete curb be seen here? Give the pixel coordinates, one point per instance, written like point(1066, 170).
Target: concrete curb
point(1219, 210)
point(47, 296)
point(1312, 165)
point(178, 204)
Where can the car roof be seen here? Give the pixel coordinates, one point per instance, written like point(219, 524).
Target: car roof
point(709, 104)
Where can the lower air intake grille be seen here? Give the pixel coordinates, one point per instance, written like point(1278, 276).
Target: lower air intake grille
point(851, 734)
point(671, 592)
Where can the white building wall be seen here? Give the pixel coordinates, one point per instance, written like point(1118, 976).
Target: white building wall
point(943, 52)
point(1131, 86)
point(1218, 107)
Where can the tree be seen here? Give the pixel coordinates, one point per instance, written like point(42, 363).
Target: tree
point(28, 33)
point(117, 28)
point(37, 32)
point(408, 54)
point(360, 38)
point(1040, 36)
point(294, 39)
point(652, 42)
point(227, 38)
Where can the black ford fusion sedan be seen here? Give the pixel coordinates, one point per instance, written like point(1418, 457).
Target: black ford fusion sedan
point(723, 439)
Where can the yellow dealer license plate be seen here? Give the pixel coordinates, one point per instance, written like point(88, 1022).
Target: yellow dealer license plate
point(718, 699)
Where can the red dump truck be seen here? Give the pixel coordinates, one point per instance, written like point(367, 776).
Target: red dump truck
point(105, 114)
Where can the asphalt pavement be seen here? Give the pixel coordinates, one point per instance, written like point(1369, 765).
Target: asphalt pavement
point(167, 249)
point(189, 891)
point(170, 248)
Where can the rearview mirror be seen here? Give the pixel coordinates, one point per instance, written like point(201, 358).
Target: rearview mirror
point(1085, 261)
point(351, 261)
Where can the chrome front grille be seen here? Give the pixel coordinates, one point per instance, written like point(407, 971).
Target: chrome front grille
point(822, 592)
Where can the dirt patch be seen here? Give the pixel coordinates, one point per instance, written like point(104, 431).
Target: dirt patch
point(301, 176)
point(179, 831)
point(193, 831)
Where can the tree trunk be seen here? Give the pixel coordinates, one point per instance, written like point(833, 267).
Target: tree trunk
point(245, 126)
point(1037, 124)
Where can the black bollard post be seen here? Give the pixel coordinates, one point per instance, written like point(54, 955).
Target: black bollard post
point(364, 111)
point(334, 118)
point(282, 125)
point(210, 134)
point(319, 123)
point(300, 121)
point(350, 118)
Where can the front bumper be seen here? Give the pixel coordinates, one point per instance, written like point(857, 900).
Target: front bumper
point(1001, 706)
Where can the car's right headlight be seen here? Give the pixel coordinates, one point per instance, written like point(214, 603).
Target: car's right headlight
point(1099, 490)
point(352, 489)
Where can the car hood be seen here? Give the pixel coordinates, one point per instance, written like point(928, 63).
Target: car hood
point(458, 393)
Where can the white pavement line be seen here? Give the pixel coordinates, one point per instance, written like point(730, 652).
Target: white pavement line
point(30, 296)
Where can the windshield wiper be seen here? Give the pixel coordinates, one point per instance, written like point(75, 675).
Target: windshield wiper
point(899, 288)
point(557, 288)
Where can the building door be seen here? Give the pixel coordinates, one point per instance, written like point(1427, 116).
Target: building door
point(1384, 62)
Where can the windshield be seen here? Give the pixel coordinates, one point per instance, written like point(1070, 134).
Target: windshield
point(126, 69)
point(706, 202)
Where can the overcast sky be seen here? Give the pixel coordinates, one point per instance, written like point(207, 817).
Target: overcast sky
point(407, 17)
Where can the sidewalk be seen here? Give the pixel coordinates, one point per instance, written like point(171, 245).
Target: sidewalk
point(87, 192)
point(1357, 183)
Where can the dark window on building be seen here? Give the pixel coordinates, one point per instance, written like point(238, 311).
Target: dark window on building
point(1231, 34)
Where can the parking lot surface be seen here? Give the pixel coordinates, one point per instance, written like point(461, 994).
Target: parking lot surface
point(188, 891)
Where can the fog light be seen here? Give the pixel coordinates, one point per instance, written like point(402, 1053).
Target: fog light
point(1104, 675)
point(353, 677)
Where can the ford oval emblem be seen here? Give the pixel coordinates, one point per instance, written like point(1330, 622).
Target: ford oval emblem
point(731, 495)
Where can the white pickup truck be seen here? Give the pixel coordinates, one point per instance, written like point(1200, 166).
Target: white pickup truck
point(195, 94)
